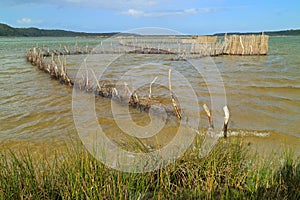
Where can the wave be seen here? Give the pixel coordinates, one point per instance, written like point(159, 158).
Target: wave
point(273, 87)
point(249, 133)
point(236, 133)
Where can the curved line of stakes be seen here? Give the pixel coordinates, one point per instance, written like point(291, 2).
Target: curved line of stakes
point(107, 151)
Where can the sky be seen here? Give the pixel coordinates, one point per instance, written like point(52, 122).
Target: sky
point(185, 16)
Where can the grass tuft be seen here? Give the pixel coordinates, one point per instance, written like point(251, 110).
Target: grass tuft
point(229, 172)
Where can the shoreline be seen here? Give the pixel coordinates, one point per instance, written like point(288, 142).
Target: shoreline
point(268, 145)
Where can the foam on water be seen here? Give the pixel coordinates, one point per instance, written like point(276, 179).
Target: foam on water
point(248, 133)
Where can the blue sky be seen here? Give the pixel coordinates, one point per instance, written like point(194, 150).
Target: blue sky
point(188, 17)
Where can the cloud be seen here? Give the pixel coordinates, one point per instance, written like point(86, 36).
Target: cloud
point(140, 13)
point(28, 21)
point(135, 13)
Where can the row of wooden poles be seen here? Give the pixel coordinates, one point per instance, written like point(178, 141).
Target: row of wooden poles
point(236, 44)
point(206, 45)
point(201, 46)
point(111, 48)
point(56, 67)
point(246, 44)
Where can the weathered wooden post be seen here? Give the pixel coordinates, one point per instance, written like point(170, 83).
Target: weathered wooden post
point(177, 111)
point(226, 120)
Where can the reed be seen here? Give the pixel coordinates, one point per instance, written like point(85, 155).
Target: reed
point(246, 44)
point(230, 171)
point(207, 39)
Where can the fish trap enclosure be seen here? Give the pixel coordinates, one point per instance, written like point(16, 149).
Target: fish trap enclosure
point(174, 48)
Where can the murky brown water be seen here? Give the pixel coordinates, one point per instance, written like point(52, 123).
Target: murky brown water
point(263, 93)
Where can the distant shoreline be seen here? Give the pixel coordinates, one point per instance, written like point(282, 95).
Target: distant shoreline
point(291, 32)
point(8, 31)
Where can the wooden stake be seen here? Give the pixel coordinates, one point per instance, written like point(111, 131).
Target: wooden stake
point(87, 76)
point(67, 50)
point(226, 119)
point(115, 91)
point(241, 41)
point(150, 89)
point(177, 111)
point(127, 89)
point(209, 115)
point(61, 67)
point(96, 79)
point(136, 96)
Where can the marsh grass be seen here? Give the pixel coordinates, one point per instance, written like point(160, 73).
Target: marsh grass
point(230, 171)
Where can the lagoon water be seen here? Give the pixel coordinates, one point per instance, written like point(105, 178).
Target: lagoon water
point(263, 93)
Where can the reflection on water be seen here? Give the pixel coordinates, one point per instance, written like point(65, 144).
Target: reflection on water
point(263, 93)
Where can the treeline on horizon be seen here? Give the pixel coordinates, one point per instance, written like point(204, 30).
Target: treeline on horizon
point(290, 32)
point(8, 31)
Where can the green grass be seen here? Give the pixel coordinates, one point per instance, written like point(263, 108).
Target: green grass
point(230, 171)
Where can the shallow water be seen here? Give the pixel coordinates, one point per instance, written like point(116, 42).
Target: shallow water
point(263, 93)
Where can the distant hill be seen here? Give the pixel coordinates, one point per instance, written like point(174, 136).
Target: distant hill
point(271, 33)
point(9, 31)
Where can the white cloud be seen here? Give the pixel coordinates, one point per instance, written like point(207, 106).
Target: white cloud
point(28, 21)
point(140, 13)
point(191, 11)
point(134, 13)
point(24, 21)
